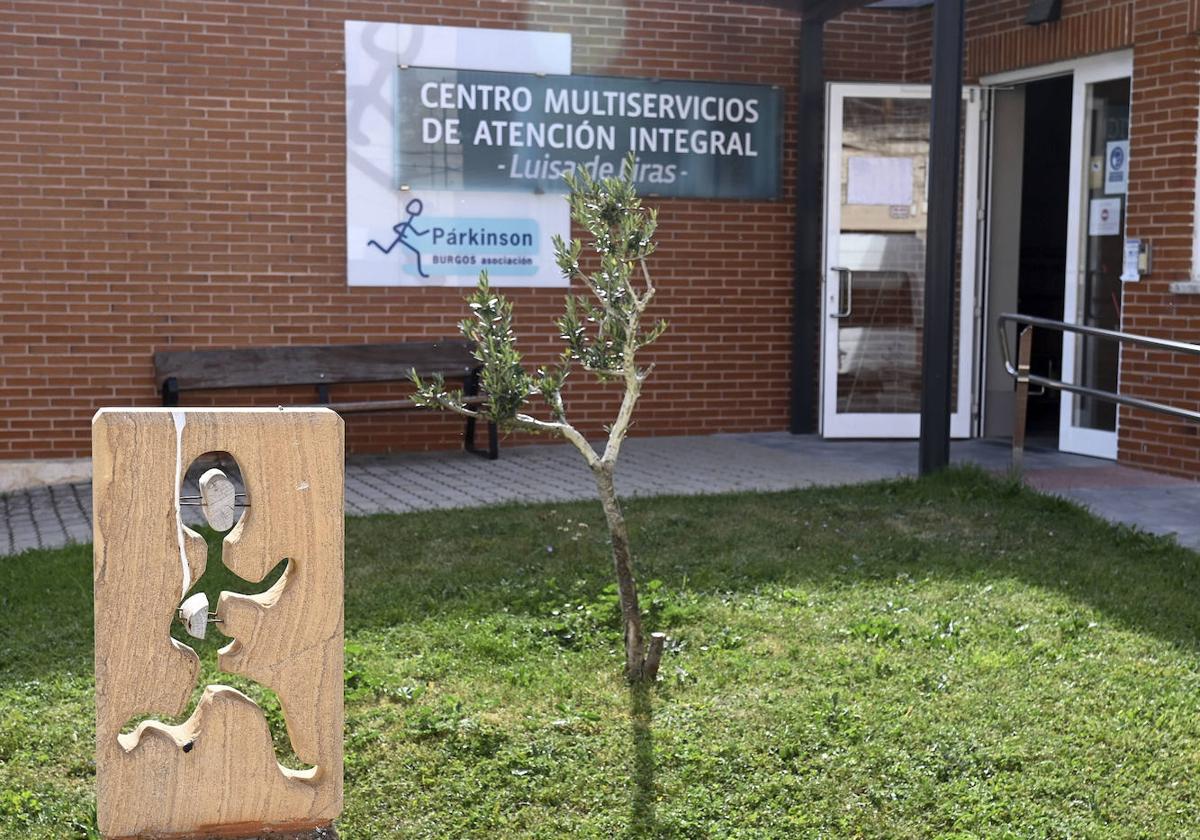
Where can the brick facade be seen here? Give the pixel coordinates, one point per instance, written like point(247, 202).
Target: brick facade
point(1162, 197)
point(1000, 41)
point(173, 175)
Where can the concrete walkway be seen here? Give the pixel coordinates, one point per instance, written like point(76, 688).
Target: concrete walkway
point(54, 516)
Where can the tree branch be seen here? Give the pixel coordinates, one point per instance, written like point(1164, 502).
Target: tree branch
point(633, 387)
point(566, 430)
point(605, 371)
point(587, 281)
point(644, 301)
point(459, 408)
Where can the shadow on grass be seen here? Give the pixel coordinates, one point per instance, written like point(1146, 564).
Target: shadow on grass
point(642, 818)
point(960, 525)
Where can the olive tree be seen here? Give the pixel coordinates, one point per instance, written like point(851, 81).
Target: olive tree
point(602, 332)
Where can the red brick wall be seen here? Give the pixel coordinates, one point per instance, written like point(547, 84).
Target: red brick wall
point(173, 175)
point(1165, 118)
point(1000, 40)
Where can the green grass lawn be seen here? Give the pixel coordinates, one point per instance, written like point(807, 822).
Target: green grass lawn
point(950, 658)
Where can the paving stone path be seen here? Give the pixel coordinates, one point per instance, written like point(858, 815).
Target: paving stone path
point(49, 517)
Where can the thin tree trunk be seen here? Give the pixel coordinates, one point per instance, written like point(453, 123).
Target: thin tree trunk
point(631, 616)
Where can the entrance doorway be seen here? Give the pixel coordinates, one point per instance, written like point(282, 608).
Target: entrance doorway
point(1059, 164)
point(873, 310)
point(1028, 255)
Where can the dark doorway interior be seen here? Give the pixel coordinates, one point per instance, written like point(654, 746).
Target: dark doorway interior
point(1043, 252)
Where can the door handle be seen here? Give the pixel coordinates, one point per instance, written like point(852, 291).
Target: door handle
point(847, 283)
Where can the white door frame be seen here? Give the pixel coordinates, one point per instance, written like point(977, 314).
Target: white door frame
point(1084, 72)
point(1071, 438)
point(908, 425)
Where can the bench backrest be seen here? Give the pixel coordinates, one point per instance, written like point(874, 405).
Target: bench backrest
point(312, 364)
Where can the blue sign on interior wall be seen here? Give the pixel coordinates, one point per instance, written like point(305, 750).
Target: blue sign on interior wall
point(477, 130)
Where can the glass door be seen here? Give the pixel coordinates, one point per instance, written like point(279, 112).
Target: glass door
point(876, 208)
point(1096, 236)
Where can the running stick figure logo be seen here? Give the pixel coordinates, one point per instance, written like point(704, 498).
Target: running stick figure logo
point(403, 230)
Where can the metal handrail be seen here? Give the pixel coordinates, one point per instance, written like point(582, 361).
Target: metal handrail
point(1020, 370)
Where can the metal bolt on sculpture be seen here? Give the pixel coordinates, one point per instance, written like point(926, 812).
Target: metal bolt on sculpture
point(216, 774)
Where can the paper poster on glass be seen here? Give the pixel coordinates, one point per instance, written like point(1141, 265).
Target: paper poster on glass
point(1104, 218)
point(1116, 168)
point(884, 181)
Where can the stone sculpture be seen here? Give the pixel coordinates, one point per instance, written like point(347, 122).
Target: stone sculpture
point(217, 773)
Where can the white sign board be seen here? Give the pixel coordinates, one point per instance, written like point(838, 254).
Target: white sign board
point(397, 236)
point(1105, 217)
point(1116, 168)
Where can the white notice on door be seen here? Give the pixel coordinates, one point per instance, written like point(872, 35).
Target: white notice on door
point(1131, 266)
point(1116, 168)
point(880, 181)
point(1105, 217)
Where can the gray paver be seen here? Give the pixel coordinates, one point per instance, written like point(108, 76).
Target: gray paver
point(51, 517)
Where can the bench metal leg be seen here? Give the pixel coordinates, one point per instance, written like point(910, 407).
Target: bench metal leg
point(493, 448)
point(170, 392)
point(471, 389)
point(469, 435)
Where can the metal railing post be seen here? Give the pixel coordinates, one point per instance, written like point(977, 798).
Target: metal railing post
point(1024, 352)
point(1019, 369)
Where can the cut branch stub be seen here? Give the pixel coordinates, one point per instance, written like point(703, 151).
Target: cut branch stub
point(654, 654)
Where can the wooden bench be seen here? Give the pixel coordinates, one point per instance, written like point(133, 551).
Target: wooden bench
point(177, 371)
